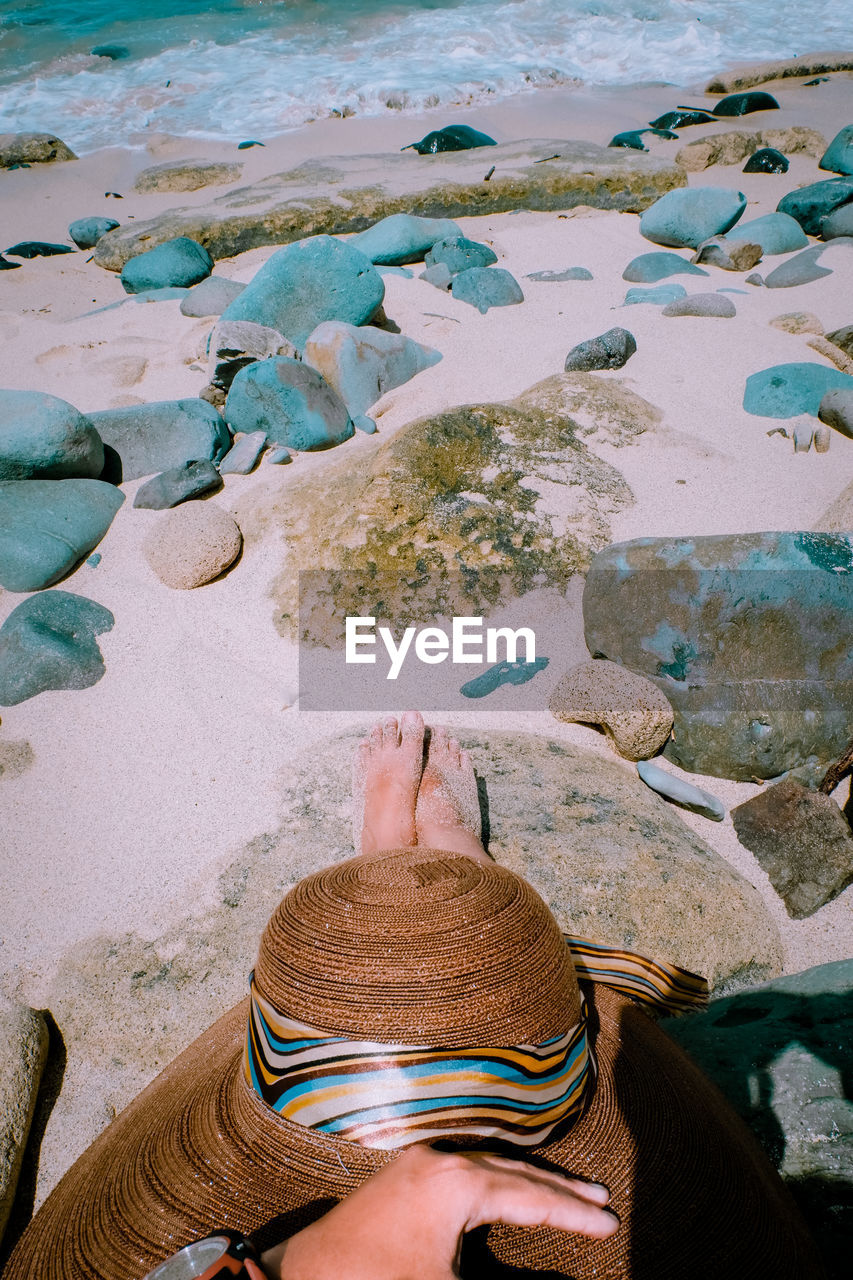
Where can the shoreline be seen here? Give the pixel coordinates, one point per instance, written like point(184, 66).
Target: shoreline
point(143, 789)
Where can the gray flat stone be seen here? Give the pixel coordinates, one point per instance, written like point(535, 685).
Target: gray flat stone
point(781, 1055)
point(177, 485)
point(348, 193)
point(801, 269)
point(242, 456)
point(210, 296)
point(49, 526)
point(646, 268)
point(701, 304)
point(155, 437)
point(49, 642)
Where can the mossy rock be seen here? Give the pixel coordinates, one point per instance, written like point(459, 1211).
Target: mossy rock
point(453, 514)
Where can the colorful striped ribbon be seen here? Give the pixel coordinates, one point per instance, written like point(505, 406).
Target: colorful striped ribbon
point(391, 1095)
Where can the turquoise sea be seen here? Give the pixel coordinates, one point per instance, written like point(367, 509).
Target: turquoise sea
point(235, 68)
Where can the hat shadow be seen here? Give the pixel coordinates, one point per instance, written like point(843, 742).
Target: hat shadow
point(776, 1024)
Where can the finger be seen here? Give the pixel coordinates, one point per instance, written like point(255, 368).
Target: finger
point(594, 1192)
point(519, 1200)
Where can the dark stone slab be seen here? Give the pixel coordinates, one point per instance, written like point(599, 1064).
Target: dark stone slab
point(611, 350)
point(802, 840)
point(810, 205)
point(177, 485)
point(746, 634)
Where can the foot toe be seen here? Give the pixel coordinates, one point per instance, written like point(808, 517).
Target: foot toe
point(390, 732)
point(412, 725)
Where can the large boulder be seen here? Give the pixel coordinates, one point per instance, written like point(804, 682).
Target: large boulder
point(361, 364)
point(838, 157)
point(23, 1053)
point(307, 282)
point(186, 175)
point(49, 642)
point(691, 215)
point(335, 194)
point(155, 437)
point(32, 148)
point(811, 205)
point(402, 238)
point(178, 263)
point(48, 526)
point(45, 438)
point(780, 1054)
point(445, 511)
point(289, 401)
point(746, 634)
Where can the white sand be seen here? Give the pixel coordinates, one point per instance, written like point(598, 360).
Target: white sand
point(148, 781)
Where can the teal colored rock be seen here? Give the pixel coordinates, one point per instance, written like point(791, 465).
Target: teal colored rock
point(454, 137)
point(178, 263)
point(683, 118)
point(839, 223)
point(786, 390)
point(48, 642)
point(747, 636)
point(780, 1054)
point(48, 526)
point(689, 215)
point(838, 157)
point(630, 138)
point(291, 402)
point(362, 363)
point(210, 296)
point(810, 205)
point(43, 437)
point(307, 282)
point(177, 485)
point(155, 437)
point(86, 232)
point(486, 287)
point(774, 232)
point(241, 459)
point(742, 104)
point(649, 267)
point(801, 269)
point(459, 254)
point(402, 238)
point(659, 296)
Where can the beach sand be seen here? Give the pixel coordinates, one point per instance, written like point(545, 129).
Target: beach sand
point(141, 788)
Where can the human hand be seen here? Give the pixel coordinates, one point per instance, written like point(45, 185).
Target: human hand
point(407, 1221)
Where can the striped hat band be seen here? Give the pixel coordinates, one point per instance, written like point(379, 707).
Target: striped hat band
point(389, 1095)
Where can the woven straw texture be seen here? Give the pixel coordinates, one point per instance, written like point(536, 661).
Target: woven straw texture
point(199, 1150)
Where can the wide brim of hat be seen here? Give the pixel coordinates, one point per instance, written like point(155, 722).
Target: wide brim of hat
point(198, 1150)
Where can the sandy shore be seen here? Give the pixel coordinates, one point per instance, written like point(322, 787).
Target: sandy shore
point(143, 786)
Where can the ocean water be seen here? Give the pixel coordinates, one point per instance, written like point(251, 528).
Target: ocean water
point(239, 69)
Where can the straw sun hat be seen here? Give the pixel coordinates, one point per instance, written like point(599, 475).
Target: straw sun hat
point(453, 973)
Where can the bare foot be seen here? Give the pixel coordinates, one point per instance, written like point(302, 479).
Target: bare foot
point(388, 769)
point(448, 809)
